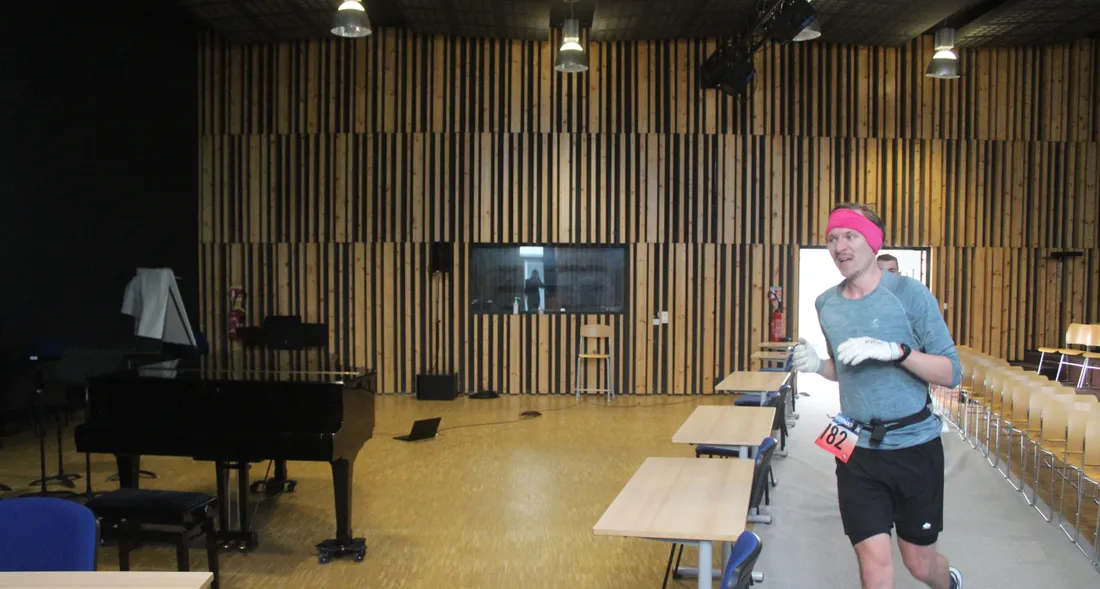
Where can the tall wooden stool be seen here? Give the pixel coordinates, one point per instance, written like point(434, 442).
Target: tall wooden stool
point(594, 344)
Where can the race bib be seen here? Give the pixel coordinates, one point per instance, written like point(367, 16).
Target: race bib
point(839, 437)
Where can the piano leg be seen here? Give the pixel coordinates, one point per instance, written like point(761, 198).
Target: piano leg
point(138, 473)
point(343, 544)
point(234, 532)
point(276, 484)
point(128, 467)
point(222, 476)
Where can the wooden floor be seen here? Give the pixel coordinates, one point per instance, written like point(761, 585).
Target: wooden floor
point(505, 505)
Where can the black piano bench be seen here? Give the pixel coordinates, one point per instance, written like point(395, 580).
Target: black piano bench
point(122, 514)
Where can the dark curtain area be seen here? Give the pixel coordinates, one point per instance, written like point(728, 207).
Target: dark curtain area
point(98, 166)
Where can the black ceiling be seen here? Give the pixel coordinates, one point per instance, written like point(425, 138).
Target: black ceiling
point(861, 22)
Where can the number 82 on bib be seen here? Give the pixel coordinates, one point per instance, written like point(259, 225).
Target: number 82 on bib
point(839, 437)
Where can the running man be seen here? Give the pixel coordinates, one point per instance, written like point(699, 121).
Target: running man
point(888, 342)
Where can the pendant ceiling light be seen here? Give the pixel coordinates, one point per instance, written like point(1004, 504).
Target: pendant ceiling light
point(944, 64)
point(812, 31)
point(351, 20)
point(571, 56)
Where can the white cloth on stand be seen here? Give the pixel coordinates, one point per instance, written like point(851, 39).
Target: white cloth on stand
point(153, 299)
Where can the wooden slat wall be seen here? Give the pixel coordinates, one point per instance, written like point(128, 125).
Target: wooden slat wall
point(329, 166)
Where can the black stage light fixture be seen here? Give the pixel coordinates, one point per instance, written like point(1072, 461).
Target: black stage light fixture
point(728, 69)
point(738, 76)
point(790, 18)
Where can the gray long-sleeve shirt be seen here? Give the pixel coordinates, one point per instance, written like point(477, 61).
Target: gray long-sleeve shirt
point(899, 310)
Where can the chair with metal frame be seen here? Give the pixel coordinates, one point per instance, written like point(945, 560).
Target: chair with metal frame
point(1034, 428)
point(1073, 460)
point(1016, 403)
point(1012, 379)
point(1049, 446)
point(1089, 478)
point(1072, 334)
point(975, 397)
point(1003, 414)
point(1091, 340)
point(976, 405)
point(996, 377)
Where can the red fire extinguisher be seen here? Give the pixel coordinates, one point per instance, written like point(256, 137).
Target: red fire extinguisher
point(236, 311)
point(775, 295)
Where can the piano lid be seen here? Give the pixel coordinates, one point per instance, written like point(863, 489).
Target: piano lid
point(319, 368)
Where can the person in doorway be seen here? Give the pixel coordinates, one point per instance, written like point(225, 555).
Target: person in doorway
point(888, 263)
point(531, 291)
point(887, 343)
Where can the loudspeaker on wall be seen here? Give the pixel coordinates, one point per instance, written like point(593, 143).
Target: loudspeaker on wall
point(442, 256)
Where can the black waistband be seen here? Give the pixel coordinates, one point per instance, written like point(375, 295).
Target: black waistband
point(879, 428)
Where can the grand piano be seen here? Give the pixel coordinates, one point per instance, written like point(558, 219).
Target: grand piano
point(236, 411)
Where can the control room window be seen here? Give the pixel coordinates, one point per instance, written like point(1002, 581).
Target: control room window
point(547, 279)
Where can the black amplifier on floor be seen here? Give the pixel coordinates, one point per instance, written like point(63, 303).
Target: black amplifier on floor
point(436, 387)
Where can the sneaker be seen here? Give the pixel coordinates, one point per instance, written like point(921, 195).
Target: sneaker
point(956, 578)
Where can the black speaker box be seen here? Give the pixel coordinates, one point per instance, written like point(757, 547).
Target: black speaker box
point(442, 256)
point(436, 387)
point(728, 71)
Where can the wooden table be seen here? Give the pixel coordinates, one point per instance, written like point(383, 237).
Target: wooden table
point(777, 345)
point(753, 382)
point(766, 357)
point(684, 500)
point(743, 427)
point(108, 579)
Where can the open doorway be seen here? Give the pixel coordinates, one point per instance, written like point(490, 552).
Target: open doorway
point(817, 272)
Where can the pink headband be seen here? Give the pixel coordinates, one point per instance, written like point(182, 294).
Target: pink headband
point(849, 219)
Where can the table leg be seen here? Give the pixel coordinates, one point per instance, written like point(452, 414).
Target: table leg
point(705, 569)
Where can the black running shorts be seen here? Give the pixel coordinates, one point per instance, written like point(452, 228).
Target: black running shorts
point(881, 489)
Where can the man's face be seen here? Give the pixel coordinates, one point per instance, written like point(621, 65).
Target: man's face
point(851, 252)
point(890, 266)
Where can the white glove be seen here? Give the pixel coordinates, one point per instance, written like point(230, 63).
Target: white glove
point(858, 349)
point(806, 358)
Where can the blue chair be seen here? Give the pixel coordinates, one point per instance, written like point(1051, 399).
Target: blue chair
point(762, 474)
point(738, 573)
point(47, 534)
point(779, 400)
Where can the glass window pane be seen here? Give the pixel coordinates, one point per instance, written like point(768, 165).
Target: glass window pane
point(547, 279)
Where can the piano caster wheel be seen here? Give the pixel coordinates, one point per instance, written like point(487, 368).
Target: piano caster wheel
point(273, 487)
point(330, 549)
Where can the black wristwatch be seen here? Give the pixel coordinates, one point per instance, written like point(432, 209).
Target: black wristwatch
point(905, 351)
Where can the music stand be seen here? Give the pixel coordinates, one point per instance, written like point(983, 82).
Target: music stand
point(65, 480)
